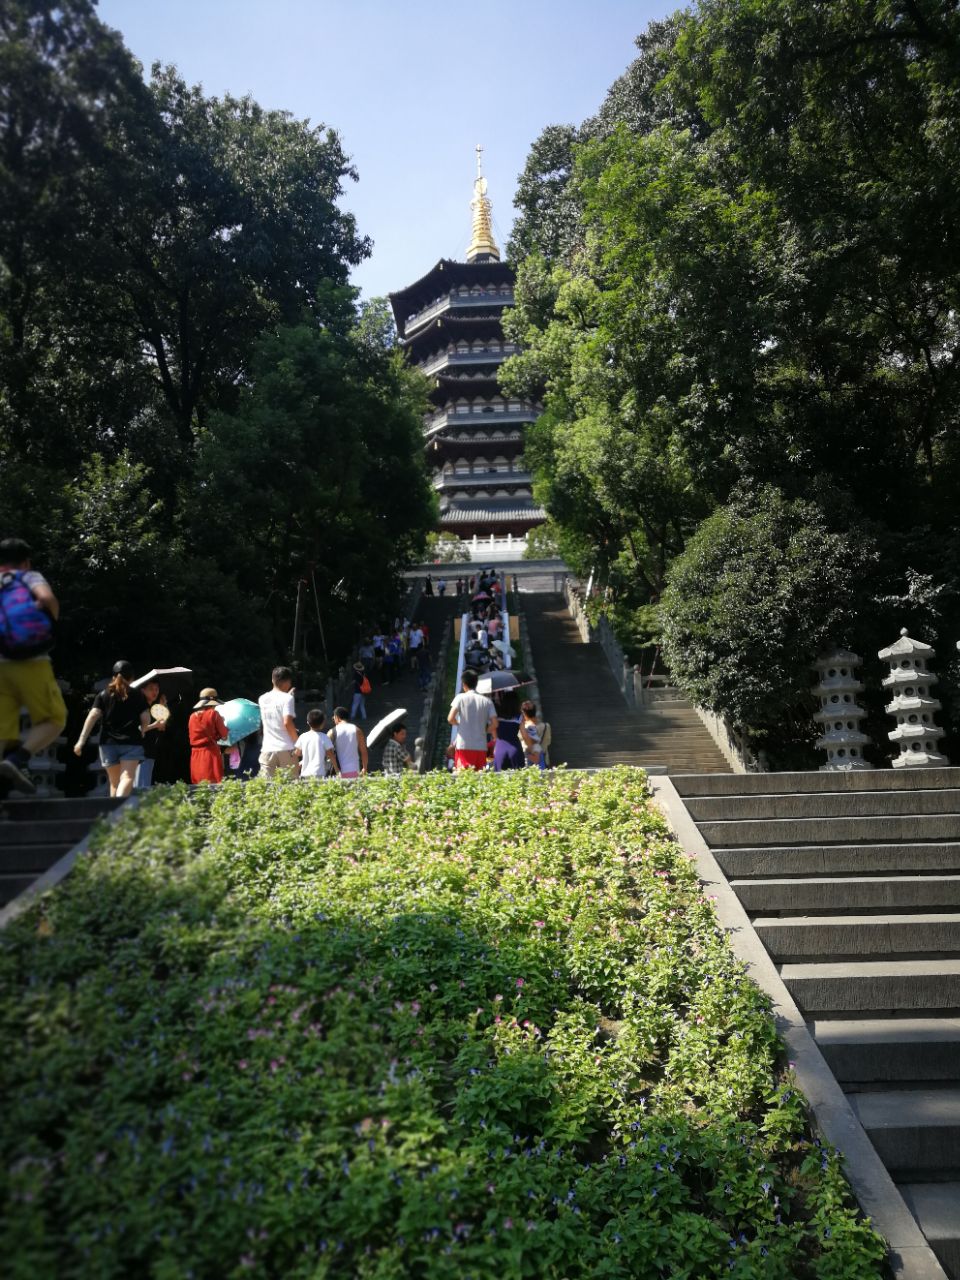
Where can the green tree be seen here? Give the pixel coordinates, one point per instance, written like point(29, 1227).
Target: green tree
point(762, 292)
point(68, 87)
point(318, 471)
point(763, 586)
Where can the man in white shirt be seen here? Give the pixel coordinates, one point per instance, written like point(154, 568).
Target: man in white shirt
point(314, 749)
point(414, 645)
point(279, 726)
point(475, 717)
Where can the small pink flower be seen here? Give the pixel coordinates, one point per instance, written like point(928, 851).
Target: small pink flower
point(539, 924)
point(243, 1064)
point(519, 982)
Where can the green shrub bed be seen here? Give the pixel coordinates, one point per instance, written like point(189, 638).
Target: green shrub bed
point(443, 1027)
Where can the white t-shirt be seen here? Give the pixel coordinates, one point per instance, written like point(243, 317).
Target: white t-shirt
point(313, 747)
point(347, 747)
point(416, 638)
point(476, 712)
point(274, 707)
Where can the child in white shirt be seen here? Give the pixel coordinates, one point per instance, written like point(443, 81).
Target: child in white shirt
point(314, 749)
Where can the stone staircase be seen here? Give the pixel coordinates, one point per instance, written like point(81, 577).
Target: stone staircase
point(591, 724)
point(34, 834)
point(852, 882)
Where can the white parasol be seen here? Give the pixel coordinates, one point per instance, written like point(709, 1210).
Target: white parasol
point(379, 728)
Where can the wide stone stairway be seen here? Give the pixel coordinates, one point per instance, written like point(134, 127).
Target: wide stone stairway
point(852, 882)
point(592, 725)
point(34, 834)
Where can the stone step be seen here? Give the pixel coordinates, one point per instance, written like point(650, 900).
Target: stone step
point(13, 883)
point(850, 893)
point(874, 986)
point(89, 807)
point(874, 1050)
point(35, 858)
point(840, 804)
point(936, 1206)
point(843, 859)
point(752, 784)
point(915, 1131)
point(911, 829)
point(875, 935)
point(51, 831)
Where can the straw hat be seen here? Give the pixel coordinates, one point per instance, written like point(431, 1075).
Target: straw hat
point(208, 698)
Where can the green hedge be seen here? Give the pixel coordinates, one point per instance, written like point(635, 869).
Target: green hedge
point(419, 1027)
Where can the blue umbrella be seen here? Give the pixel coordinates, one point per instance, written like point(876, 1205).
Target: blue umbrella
point(242, 717)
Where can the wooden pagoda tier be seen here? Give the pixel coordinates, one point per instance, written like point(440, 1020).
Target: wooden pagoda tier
point(479, 336)
point(450, 325)
point(464, 286)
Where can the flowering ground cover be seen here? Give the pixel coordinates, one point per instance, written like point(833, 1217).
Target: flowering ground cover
point(441, 1027)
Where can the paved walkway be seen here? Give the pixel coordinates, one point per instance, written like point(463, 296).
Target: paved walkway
point(405, 690)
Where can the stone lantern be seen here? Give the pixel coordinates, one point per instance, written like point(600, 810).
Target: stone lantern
point(909, 682)
point(840, 714)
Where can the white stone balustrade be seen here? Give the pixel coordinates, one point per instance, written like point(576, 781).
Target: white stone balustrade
point(909, 682)
point(840, 714)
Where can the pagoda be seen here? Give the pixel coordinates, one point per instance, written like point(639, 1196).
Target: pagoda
point(450, 324)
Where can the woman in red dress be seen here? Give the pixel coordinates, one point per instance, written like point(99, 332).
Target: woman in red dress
point(206, 729)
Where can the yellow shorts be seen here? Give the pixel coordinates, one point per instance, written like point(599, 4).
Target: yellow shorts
point(30, 685)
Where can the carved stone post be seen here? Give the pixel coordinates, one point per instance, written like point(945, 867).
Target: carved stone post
point(909, 682)
point(840, 714)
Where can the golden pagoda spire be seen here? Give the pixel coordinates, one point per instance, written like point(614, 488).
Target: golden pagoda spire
point(483, 247)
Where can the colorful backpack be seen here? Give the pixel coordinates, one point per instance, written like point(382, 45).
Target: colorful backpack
point(26, 630)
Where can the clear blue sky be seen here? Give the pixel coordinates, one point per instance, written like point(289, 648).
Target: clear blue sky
point(411, 86)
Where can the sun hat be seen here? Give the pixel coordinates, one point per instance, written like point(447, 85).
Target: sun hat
point(208, 698)
point(358, 666)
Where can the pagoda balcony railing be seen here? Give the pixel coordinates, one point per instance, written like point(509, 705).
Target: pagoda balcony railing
point(488, 479)
point(456, 301)
point(488, 417)
point(459, 359)
point(476, 439)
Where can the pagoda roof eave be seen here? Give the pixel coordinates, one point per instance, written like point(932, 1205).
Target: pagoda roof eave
point(476, 326)
point(445, 273)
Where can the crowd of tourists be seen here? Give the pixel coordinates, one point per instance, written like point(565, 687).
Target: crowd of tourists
point(131, 720)
point(385, 654)
point(496, 732)
point(151, 733)
point(150, 730)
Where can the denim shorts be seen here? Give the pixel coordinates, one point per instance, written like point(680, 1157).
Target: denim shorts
point(118, 752)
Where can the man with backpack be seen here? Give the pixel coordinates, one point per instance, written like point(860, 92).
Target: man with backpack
point(28, 611)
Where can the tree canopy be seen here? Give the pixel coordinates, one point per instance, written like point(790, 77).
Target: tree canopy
point(742, 273)
point(194, 411)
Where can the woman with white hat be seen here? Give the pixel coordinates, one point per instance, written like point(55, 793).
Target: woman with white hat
point(207, 727)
